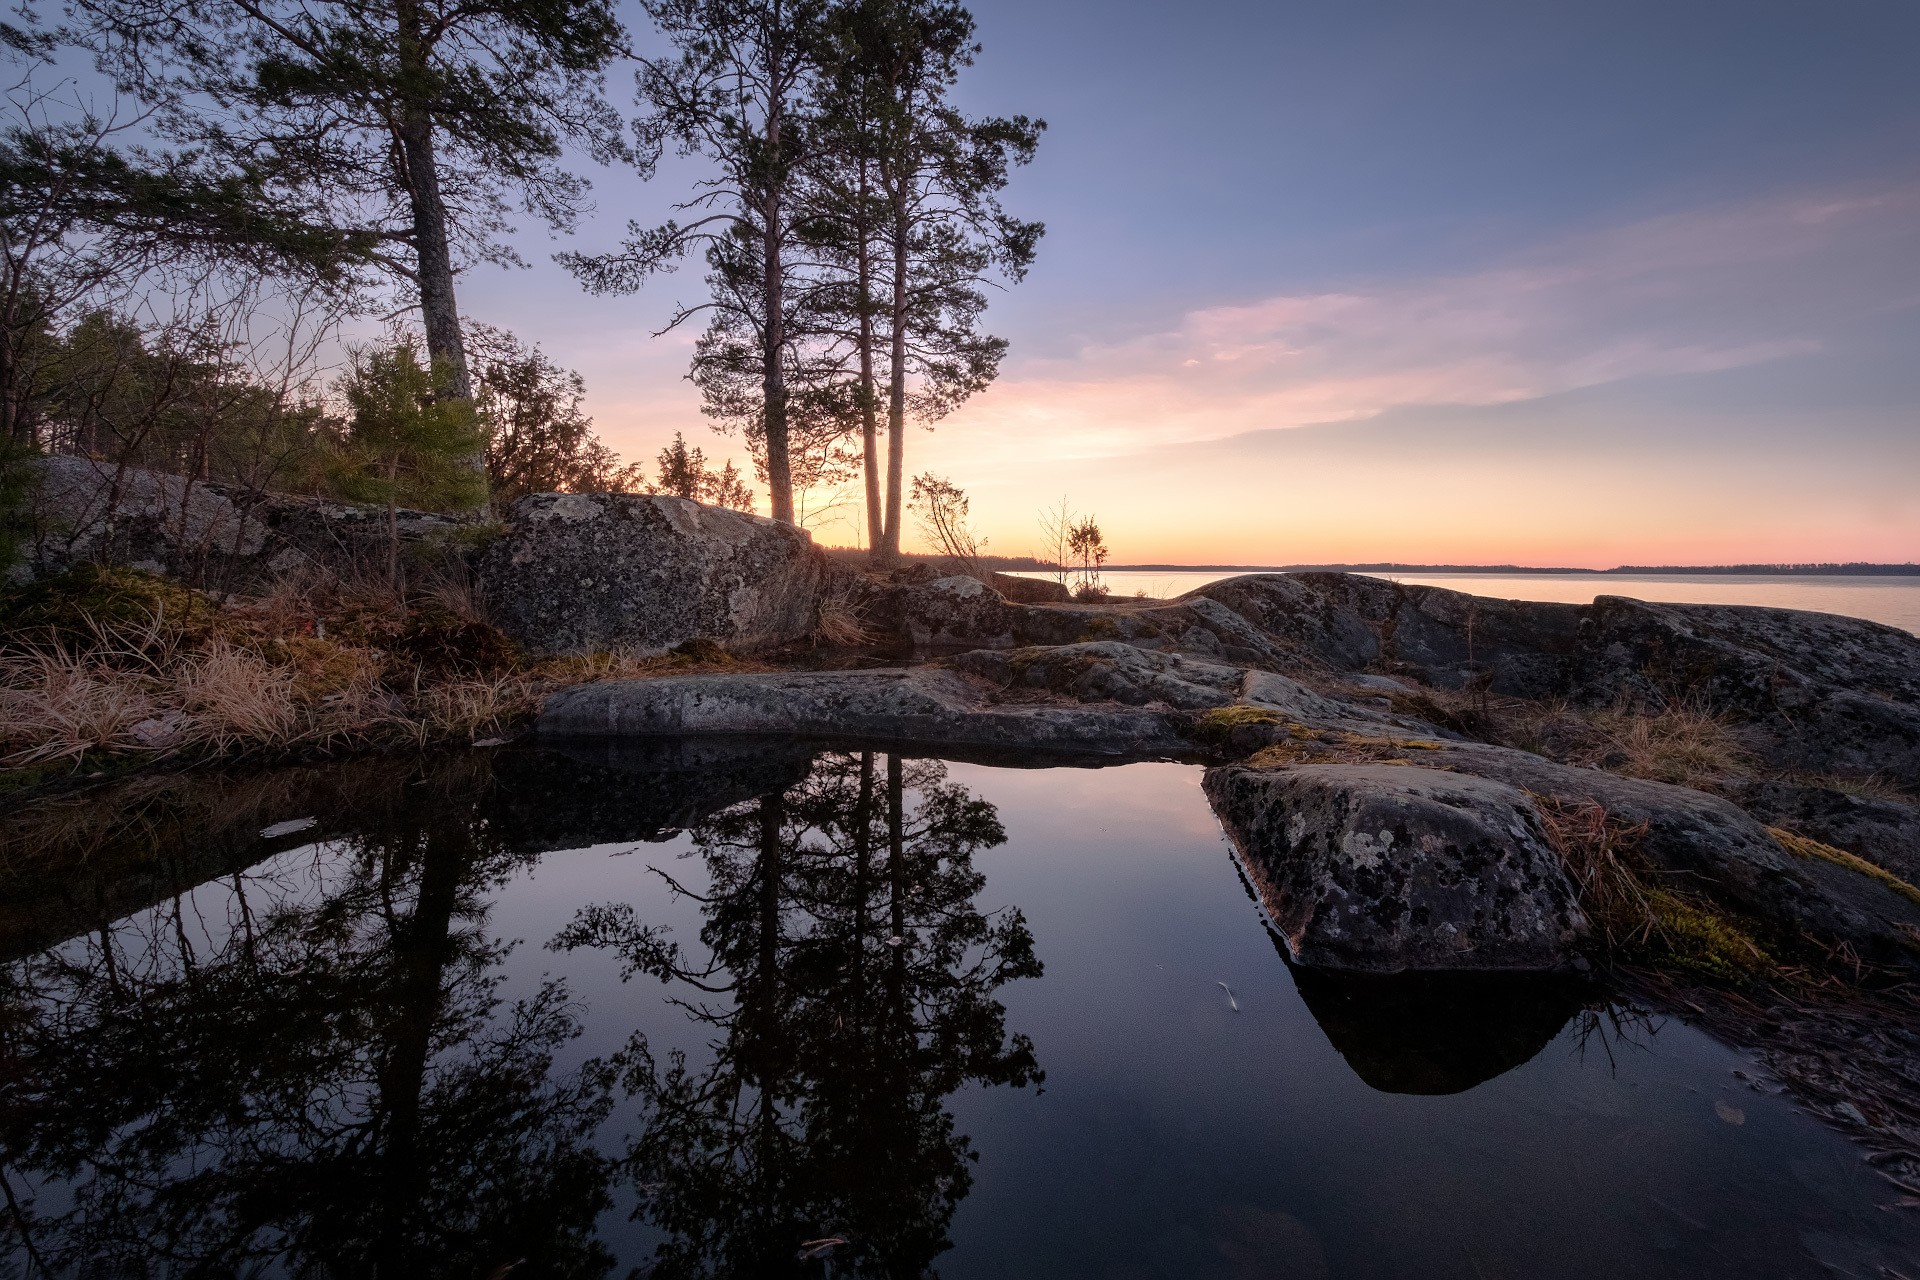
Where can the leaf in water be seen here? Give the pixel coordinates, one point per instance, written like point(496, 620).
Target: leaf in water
point(287, 828)
point(1731, 1114)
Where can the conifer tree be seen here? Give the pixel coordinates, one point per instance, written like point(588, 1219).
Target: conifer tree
point(737, 89)
point(414, 121)
point(406, 443)
point(912, 204)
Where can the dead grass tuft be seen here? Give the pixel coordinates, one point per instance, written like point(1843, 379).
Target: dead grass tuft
point(320, 663)
point(840, 625)
point(1681, 743)
point(1638, 918)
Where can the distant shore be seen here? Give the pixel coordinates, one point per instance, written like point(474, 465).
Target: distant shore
point(1028, 564)
point(1783, 570)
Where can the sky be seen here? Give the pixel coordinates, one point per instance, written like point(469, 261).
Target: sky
point(1428, 281)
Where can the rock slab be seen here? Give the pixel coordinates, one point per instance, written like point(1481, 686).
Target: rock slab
point(641, 573)
point(1384, 868)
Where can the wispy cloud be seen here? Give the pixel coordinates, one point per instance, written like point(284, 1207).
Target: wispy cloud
point(1685, 294)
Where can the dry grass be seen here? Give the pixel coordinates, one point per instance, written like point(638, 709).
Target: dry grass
point(1636, 916)
point(318, 664)
point(840, 625)
point(1681, 743)
point(1677, 743)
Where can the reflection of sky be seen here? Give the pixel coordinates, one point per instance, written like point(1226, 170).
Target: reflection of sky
point(1474, 282)
point(1176, 1137)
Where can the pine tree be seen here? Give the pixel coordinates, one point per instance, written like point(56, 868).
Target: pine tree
point(406, 442)
point(413, 121)
point(738, 91)
point(920, 220)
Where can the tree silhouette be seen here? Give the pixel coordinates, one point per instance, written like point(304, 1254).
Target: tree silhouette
point(848, 975)
point(307, 1067)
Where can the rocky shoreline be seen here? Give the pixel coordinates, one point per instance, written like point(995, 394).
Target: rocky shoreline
point(1382, 833)
point(1414, 778)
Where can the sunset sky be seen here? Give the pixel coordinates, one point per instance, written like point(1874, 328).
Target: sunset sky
point(1420, 280)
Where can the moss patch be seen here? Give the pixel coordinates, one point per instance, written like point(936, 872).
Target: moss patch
point(1690, 935)
point(75, 607)
point(1802, 847)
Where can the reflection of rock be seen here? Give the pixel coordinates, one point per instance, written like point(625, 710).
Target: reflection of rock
point(76, 862)
point(1383, 868)
point(618, 571)
point(610, 790)
point(1437, 1032)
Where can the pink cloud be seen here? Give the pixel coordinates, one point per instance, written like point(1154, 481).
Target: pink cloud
point(1683, 294)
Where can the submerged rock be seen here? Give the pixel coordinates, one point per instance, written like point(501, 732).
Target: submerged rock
point(579, 572)
point(1382, 868)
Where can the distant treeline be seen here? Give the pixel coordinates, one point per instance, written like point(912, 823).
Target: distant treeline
point(1031, 564)
point(1851, 569)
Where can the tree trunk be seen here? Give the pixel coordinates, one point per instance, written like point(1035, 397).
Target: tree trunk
point(896, 885)
point(433, 269)
point(773, 373)
point(897, 378)
point(420, 956)
point(869, 397)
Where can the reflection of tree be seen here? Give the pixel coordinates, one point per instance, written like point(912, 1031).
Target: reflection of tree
point(851, 976)
point(306, 1067)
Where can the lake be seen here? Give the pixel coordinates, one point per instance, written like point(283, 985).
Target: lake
point(743, 1009)
point(1890, 599)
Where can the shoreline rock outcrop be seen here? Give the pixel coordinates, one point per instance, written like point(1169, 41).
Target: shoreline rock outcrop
point(1377, 868)
point(1466, 881)
point(641, 573)
point(225, 537)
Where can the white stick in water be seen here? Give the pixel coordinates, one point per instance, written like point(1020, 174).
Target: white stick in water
point(1230, 1000)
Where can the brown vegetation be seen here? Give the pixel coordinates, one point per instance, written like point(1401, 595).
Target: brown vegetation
point(105, 667)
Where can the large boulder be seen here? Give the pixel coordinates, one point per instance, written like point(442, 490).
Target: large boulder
point(1384, 868)
point(222, 536)
point(639, 573)
point(1704, 844)
point(1828, 693)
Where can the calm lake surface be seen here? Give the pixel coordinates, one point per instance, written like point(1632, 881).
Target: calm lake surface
point(1892, 600)
point(742, 1009)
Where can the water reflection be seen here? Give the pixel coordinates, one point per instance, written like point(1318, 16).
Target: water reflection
point(305, 1063)
point(847, 975)
point(1438, 1033)
point(319, 1052)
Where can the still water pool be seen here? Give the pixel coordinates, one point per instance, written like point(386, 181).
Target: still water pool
point(770, 1009)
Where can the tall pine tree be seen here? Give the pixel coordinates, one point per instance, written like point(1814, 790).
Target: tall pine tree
point(416, 121)
point(738, 90)
point(911, 201)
